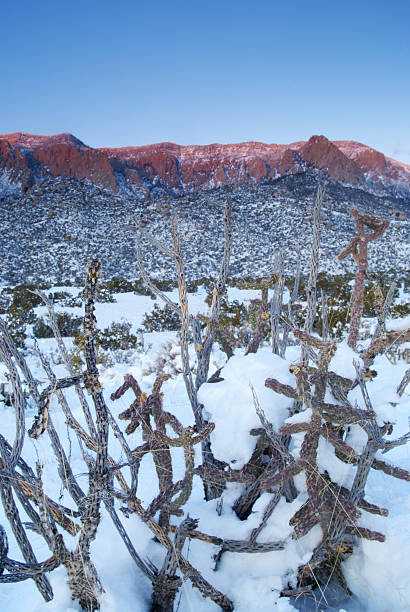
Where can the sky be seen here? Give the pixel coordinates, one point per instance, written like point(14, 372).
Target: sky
point(132, 73)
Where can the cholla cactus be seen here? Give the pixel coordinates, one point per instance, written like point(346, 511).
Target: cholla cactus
point(358, 247)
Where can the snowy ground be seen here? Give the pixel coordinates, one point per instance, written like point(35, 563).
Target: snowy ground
point(377, 573)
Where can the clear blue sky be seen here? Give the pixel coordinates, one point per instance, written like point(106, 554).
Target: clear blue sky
point(129, 73)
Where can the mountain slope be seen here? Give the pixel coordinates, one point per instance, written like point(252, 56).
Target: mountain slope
point(168, 168)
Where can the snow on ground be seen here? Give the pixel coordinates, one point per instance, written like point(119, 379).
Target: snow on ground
point(377, 573)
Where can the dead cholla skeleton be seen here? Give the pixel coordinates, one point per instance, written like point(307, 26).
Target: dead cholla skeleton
point(106, 481)
point(203, 341)
point(358, 247)
point(335, 508)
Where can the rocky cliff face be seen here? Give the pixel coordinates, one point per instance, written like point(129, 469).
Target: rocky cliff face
point(174, 169)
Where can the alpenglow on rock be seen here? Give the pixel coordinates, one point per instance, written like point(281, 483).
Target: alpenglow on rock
point(168, 168)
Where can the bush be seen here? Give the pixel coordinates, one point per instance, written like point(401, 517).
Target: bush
point(161, 319)
point(116, 337)
point(119, 285)
point(66, 299)
point(67, 324)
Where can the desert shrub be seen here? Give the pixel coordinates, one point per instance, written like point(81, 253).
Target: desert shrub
point(65, 299)
point(161, 319)
point(233, 313)
point(338, 318)
point(58, 296)
point(245, 282)
point(117, 284)
point(104, 295)
point(19, 311)
point(68, 325)
point(399, 310)
point(22, 296)
point(17, 320)
point(140, 288)
point(118, 336)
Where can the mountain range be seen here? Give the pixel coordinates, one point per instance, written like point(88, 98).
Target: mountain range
point(168, 168)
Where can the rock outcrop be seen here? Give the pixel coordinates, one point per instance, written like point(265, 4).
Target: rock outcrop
point(174, 169)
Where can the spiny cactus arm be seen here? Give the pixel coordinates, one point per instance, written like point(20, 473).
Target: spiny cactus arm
point(317, 343)
point(276, 303)
point(304, 520)
point(204, 587)
point(371, 425)
point(287, 325)
point(329, 434)
point(281, 388)
point(163, 499)
point(199, 535)
point(403, 383)
point(372, 508)
point(98, 472)
point(342, 415)
point(4, 548)
point(292, 428)
point(245, 546)
point(173, 422)
point(281, 477)
point(129, 383)
point(383, 342)
point(42, 419)
point(24, 571)
point(351, 248)
point(393, 443)
point(214, 475)
point(263, 319)
point(187, 437)
point(267, 513)
point(368, 534)
point(184, 530)
point(391, 470)
point(183, 497)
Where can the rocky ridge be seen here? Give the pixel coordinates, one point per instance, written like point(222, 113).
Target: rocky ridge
point(171, 169)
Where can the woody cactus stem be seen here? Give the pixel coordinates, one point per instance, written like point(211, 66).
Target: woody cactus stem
point(84, 581)
point(276, 304)
point(167, 583)
point(358, 247)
